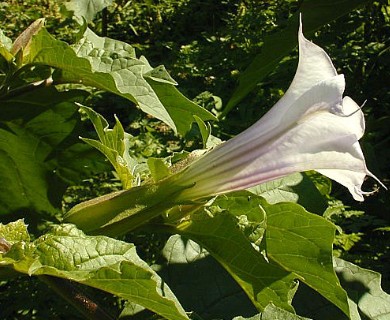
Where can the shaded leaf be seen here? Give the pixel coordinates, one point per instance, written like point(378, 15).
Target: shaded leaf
point(205, 130)
point(200, 283)
point(35, 129)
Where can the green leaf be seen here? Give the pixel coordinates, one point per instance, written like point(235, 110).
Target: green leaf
point(102, 63)
point(297, 188)
point(5, 46)
point(111, 65)
point(262, 281)
point(114, 144)
point(14, 232)
point(101, 262)
point(182, 110)
point(158, 168)
point(204, 130)
point(301, 242)
point(315, 13)
point(200, 283)
point(271, 312)
point(86, 9)
point(366, 297)
point(36, 129)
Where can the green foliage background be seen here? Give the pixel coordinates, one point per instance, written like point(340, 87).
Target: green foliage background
point(206, 46)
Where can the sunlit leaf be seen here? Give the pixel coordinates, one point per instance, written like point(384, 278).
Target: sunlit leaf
point(114, 144)
point(272, 312)
point(296, 188)
point(262, 281)
point(301, 242)
point(86, 9)
point(102, 63)
point(101, 262)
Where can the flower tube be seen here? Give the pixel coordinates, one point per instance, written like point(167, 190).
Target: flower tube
point(312, 127)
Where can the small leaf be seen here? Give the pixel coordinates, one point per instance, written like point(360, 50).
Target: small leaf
point(158, 168)
point(5, 46)
point(114, 144)
point(204, 130)
point(14, 231)
point(23, 41)
point(86, 9)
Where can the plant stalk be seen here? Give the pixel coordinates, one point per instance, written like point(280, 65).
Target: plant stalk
point(66, 290)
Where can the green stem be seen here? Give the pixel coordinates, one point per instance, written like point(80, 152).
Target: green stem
point(66, 290)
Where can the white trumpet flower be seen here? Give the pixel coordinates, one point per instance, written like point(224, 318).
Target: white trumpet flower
point(312, 127)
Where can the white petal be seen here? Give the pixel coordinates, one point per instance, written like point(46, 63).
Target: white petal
point(314, 66)
point(310, 128)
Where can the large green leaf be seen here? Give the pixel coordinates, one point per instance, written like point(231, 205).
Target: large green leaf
point(298, 245)
point(262, 281)
point(37, 130)
point(301, 242)
point(315, 13)
point(112, 65)
point(101, 262)
point(102, 63)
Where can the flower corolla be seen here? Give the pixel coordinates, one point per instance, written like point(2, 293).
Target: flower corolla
point(312, 127)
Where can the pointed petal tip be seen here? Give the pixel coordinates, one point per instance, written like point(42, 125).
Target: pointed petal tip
point(357, 192)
